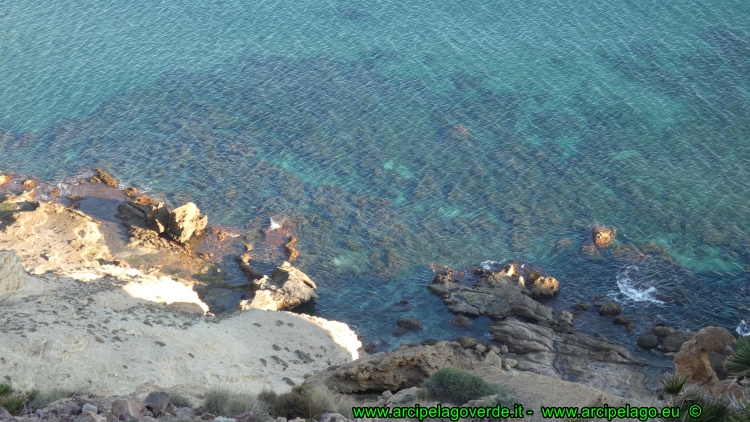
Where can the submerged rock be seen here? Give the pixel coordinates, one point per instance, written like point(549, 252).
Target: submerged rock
point(409, 323)
point(610, 309)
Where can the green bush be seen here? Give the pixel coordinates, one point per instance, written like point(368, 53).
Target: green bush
point(13, 403)
point(5, 390)
point(672, 384)
point(293, 404)
point(454, 386)
point(714, 409)
point(739, 363)
point(223, 402)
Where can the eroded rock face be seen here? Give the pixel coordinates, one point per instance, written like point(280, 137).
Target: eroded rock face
point(692, 360)
point(403, 368)
point(544, 287)
point(186, 221)
point(287, 288)
point(595, 362)
point(50, 237)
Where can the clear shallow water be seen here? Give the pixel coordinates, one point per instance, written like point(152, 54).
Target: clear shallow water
point(343, 117)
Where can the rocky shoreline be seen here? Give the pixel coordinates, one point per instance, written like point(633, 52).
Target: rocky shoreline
point(119, 306)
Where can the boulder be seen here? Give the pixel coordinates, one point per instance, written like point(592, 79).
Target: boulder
point(492, 359)
point(497, 295)
point(610, 309)
point(186, 221)
point(692, 360)
point(157, 402)
point(467, 342)
point(409, 323)
point(127, 409)
point(603, 236)
point(4, 178)
point(287, 288)
point(102, 177)
point(90, 417)
point(544, 287)
point(648, 341)
point(250, 272)
point(88, 407)
point(403, 368)
point(331, 417)
point(621, 320)
point(596, 362)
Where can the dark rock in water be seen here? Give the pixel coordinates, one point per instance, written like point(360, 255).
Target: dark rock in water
point(673, 343)
point(609, 309)
point(591, 251)
point(399, 332)
point(369, 348)
point(131, 191)
point(250, 271)
point(497, 296)
point(663, 331)
point(603, 236)
point(596, 362)
point(580, 306)
point(621, 320)
point(648, 341)
point(430, 342)
point(403, 368)
point(461, 321)
point(409, 323)
point(467, 342)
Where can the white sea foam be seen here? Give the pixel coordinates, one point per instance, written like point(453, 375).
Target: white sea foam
point(632, 290)
point(274, 225)
point(487, 265)
point(742, 329)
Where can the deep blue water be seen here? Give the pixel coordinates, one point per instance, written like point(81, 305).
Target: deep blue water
point(344, 117)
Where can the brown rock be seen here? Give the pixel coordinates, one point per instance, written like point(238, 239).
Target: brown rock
point(4, 178)
point(186, 221)
point(544, 287)
point(131, 191)
point(291, 249)
point(29, 184)
point(692, 360)
point(609, 309)
point(403, 368)
point(673, 343)
point(102, 177)
point(603, 236)
point(128, 409)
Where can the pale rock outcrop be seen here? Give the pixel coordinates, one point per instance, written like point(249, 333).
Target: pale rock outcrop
point(185, 221)
point(544, 287)
point(287, 288)
point(90, 333)
point(49, 237)
point(127, 409)
point(408, 366)
point(692, 360)
point(596, 362)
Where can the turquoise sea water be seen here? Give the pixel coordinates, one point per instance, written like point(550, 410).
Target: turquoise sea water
point(343, 117)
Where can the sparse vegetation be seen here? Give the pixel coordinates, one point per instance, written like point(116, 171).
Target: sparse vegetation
point(672, 384)
point(44, 398)
point(296, 403)
point(739, 363)
point(333, 403)
point(14, 401)
point(223, 402)
point(178, 400)
point(450, 385)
